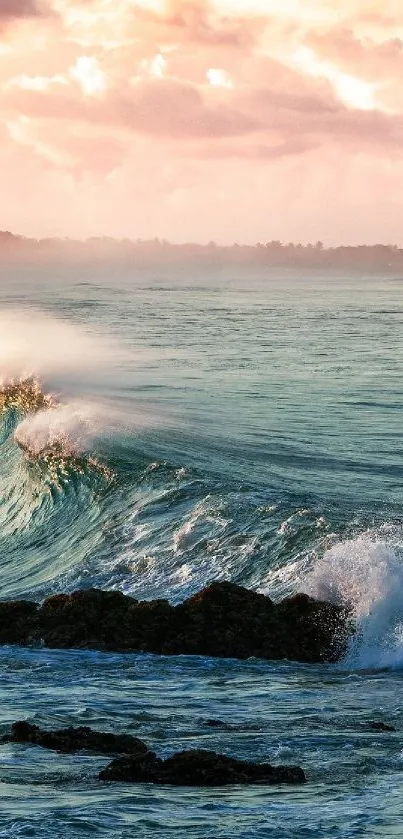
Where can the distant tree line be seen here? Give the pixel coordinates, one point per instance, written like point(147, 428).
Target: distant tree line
point(272, 254)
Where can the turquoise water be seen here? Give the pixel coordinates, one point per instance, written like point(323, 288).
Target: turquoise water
point(251, 430)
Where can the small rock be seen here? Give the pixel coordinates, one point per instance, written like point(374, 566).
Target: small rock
point(376, 725)
point(198, 767)
point(141, 769)
point(75, 739)
point(216, 724)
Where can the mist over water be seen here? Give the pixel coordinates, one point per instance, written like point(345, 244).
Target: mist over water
point(202, 428)
point(33, 343)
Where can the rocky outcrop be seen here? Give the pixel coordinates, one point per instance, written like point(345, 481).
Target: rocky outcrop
point(231, 621)
point(200, 768)
point(222, 620)
point(75, 740)
point(139, 765)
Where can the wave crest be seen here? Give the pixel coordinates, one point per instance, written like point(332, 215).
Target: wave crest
point(24, 395)
point(53, 434)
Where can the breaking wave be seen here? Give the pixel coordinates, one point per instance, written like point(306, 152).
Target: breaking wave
point(48, 482)
point(83, 503)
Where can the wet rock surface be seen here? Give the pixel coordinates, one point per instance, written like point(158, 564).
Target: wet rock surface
point(75, 740)
point(222, 620)
point(198, 767)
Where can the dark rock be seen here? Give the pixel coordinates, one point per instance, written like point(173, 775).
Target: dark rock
point(216, 724)
point(376, 725)
point(89, 618)
point(145, 769)
point(317, 630)
point(150, 626)
point(199, 768)
point(222, 620)
point(75, 739)
point(228, 620)
point(17, 621)
point(190, 768)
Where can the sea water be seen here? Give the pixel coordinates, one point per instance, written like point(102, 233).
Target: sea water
point(232, 425)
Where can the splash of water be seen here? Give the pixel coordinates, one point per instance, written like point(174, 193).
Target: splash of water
point(70, 427)
point(366, 574)
point(24, 396)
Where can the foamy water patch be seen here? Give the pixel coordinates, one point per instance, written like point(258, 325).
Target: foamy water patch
point(204, 523)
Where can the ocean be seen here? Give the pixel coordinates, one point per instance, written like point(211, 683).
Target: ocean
point(241, 426)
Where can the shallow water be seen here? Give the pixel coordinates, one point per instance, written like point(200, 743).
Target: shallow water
point(251, 430)
point(314, 716)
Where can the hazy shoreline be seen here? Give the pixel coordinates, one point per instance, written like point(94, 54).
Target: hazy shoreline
point(290, 257)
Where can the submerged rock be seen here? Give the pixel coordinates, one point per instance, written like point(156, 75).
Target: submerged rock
point(377, 725)
point(198, 767)
point(222, 620)
point(75, 740)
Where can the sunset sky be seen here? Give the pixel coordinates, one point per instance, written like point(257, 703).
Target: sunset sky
point(234, 120)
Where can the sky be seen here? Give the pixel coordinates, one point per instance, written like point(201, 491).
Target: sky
point(189, 120)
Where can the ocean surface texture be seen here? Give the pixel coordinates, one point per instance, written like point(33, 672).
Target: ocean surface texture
point(223, 426)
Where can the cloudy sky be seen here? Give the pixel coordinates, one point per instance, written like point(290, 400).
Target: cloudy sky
point(232, 120)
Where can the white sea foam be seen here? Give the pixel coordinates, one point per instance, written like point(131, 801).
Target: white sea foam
point(366, 574)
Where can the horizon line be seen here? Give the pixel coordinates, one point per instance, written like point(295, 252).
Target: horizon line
point(162, 241)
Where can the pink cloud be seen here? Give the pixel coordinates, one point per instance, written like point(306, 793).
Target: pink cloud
point(196, 21)
point(10, 9)
point(372, 60)
point(296, 114)
point(279, 142)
